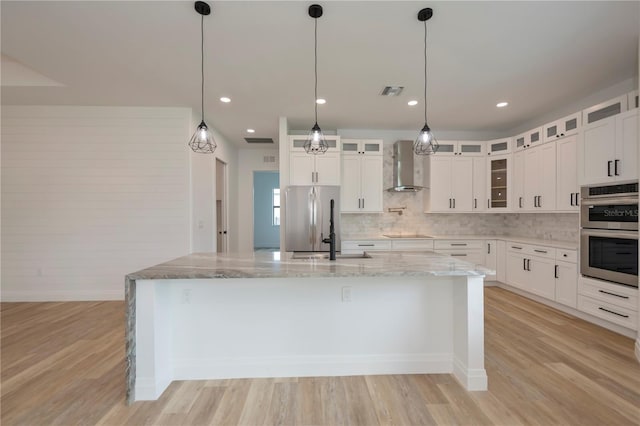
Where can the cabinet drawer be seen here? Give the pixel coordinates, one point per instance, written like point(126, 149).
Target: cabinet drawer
point(365, 245)
point(529, 250)
point(458, 244)
point(567, 255)
point(412, 245)
point(472, 256)
point(612, 313)
point(613, 294)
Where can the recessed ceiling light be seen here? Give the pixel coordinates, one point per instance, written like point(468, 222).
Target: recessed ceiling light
point(225, 99)
point(250, 131)
point(502, 104)
point(412, 103)
point(321, 101)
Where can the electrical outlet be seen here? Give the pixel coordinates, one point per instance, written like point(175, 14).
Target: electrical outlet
point(186, 296)
point(346, 294)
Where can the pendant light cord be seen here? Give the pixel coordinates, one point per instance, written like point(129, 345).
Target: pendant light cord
point(425, 72)
point(202, 65)
point(315, 58)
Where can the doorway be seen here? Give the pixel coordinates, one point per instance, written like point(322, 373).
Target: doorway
point(221, 207)
point(266, 210)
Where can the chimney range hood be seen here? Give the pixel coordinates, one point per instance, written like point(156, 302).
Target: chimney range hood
point(403, 168)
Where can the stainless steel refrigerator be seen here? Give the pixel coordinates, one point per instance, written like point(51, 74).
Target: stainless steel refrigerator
point(307, 210)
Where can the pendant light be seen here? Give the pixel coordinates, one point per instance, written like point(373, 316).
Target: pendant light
point(426, 143)
point(316, 143)
point(202, 140)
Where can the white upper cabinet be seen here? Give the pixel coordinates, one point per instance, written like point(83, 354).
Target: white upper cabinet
point(567, 189)
point(361, 190)
point(498, 181)
point(479, 182)
point(309, 169)
point(566, 126)
point(528, 139)
point(461, 148)
point(608, 149)
point(361, 146)
point(632, 100)
point(499, 146)
point(518, 182)
point(296, 143)
point(451, 184)
point(604, 110)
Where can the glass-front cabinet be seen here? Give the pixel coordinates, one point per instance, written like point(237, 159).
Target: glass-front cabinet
point(499, 180)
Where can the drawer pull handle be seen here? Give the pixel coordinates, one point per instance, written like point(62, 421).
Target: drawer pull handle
point(516, 247)
point(366, 245)
point(541, 251)
point(458, 244)
point(613, 294)
point(614, 313)
point(458, 254)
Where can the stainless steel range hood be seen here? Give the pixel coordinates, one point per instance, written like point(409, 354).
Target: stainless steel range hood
point(403, 168)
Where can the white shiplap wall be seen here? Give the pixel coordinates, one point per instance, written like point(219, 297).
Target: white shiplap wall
point(90, 194)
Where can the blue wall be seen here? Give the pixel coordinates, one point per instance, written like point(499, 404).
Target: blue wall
point(265, 235)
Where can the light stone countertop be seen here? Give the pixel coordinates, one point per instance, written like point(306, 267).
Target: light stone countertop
point(565, 245)
point(277, 265)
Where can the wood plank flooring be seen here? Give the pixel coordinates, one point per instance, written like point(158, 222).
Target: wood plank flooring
point(63, 364)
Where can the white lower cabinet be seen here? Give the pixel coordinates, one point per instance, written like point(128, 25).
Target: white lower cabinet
point(491, 258)
point(612, 302)
point(471, 251)
point(544, 271)
point(501, 261)
point(360, 246)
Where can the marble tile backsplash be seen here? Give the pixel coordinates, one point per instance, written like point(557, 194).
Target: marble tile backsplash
point(546, 226)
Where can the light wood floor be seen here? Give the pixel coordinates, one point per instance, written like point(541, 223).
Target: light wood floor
point(63, 363)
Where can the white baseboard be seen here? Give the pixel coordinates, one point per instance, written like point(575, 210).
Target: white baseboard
point(311, 366)
point(149, 389)
point(473, 379)
point(60, 296)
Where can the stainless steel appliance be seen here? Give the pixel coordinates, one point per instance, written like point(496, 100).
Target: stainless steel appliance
point(609, 234)
point(403, 168)
point(308, 210)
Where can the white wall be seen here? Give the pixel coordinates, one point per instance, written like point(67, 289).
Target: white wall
point(250, 160)
point(203, 187)
point(90, 194)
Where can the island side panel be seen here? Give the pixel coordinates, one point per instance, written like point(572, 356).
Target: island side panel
point(130, 335)
point(153, 346)
point(468, 340)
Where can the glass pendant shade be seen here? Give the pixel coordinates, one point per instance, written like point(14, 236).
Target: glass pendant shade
point(316, 143)
point(426, 143)
point(202, 140)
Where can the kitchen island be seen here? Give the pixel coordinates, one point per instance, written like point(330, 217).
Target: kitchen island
point(218, 316)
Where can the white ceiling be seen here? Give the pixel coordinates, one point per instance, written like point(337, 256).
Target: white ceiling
point(536, 55)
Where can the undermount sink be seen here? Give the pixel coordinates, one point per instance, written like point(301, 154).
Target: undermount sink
point(406, 236)
point(304, 255)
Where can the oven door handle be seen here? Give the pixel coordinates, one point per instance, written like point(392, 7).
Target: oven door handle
point(626, 201)
point(609, 234)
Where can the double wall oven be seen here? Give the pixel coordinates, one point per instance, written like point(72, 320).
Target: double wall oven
point(609, 233)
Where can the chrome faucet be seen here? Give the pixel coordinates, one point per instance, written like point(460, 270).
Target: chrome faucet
point(332, 235)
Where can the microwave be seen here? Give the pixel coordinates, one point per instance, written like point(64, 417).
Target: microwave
point(610, 207)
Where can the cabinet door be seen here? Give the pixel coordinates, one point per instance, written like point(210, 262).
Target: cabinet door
point(501, 261)
point(596, 152)
point(547, 178)
point(371, 185)
point(516, 274)
point(479, 184)
point(471, 148)
point(498, 146)
point(626, 160)
point(350, 193)
point(531, 178)
point(446, 148)
point(566, 174)
point(518, 181)
point(491, 258)
point(566, 283)
point(462, 184)
point(372, 147)
point(541, 277)
point(328, 169)
point(350, 146)
point(440, 175)
point(301, 169)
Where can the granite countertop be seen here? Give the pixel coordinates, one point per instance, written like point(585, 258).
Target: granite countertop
point(280, 265)
point(566, 245)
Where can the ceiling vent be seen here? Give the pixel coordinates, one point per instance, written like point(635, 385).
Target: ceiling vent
point(258, 140)
point(392, 90)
